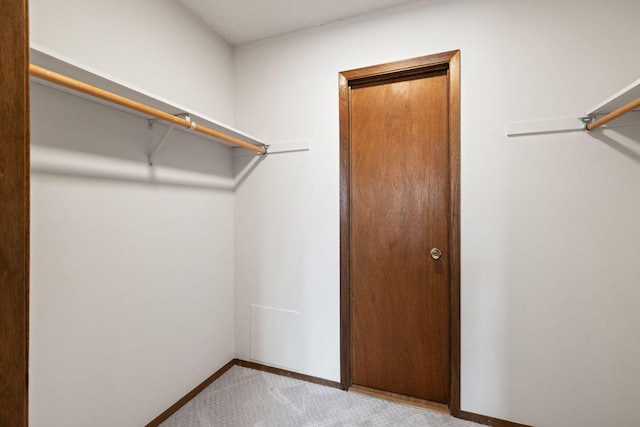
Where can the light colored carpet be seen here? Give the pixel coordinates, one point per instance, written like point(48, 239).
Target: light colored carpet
point(247, 397)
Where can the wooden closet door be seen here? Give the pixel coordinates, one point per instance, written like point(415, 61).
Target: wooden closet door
point(399, 166)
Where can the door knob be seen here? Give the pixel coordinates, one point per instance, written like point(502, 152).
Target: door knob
point(436, 253)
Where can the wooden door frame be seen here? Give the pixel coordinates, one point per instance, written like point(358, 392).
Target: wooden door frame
point(449, 61)
point(14, 213)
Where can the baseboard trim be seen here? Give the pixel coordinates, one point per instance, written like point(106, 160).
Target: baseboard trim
point(187, 397)
point(464, 415)
point(285, 373)
point(488, 421)
point(245, 364)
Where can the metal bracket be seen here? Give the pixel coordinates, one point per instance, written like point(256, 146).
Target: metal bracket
point(587, 120)
point(155, 151)
point(150, 122)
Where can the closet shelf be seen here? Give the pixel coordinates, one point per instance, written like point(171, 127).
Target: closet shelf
point(623, 102)
point(51, 70)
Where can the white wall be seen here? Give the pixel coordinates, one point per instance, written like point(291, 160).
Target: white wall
point(550, 235)
point(157, 45)
point(131, 267)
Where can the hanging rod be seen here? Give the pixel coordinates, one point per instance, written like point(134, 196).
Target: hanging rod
point(79, 86)
point(614, 114)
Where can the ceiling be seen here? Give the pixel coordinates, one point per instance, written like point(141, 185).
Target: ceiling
point(242, 21)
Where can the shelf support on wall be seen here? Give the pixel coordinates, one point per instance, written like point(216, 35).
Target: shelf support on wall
point(151, 157)
point(595, 124)
point(623, 102)
point(155, 151)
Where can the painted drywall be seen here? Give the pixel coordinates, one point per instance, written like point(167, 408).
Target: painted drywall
point(157, 45)
point(550, 235)
point(131, 267)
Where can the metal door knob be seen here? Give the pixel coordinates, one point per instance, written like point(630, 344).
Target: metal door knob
point(436, 253)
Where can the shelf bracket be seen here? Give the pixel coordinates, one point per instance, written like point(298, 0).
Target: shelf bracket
point(151, 122)
point(587, 120)
point(156, 150)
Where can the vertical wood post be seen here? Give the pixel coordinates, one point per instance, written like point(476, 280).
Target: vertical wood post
point(14, 213)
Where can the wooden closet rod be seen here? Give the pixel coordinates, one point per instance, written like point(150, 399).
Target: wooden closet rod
point(614, 114)
point(79, 86)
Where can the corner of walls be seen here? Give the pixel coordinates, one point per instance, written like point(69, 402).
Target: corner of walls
point(132, 267)
point(286, 243)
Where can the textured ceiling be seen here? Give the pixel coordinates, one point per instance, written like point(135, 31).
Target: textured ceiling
point(242, 21)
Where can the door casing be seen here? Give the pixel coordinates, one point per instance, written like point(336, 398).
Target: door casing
point(449, 61)
point(14, 213)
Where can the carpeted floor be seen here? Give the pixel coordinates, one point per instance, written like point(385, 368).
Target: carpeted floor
point(247, 397)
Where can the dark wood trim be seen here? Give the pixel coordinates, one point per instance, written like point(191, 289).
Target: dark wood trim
point(449, 61)
point(285, 373)
point(488, 421)
point(236, 362)
point(14, 213)
point(397, 69)
point(470, 416)
point(345, 234)
point(454, 232)
point(187, 397)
